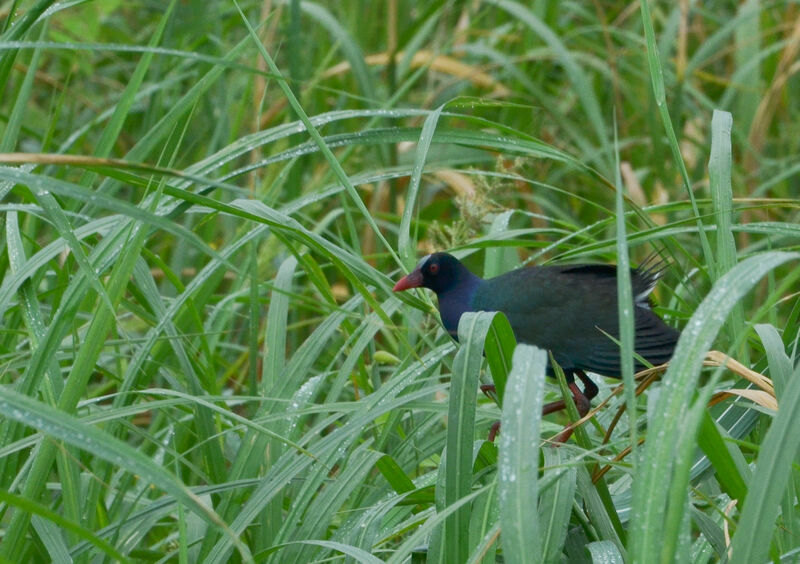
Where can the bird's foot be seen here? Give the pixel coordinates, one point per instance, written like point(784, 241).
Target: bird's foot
point(582, 403)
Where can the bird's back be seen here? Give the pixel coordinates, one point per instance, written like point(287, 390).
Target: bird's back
point(567, 309)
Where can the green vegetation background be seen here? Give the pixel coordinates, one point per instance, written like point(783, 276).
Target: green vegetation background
point(203, 206)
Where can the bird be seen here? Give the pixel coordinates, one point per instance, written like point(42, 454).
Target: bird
point(569, 310)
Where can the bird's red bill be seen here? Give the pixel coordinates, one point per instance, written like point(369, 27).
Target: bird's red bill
point(413, 280)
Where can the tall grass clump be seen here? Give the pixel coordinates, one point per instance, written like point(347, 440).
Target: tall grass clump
point(203, 209)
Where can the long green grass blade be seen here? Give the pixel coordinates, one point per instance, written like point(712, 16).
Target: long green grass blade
point(404, 241)
point(659, 91)
point(472, 330)
point(518, 466)
point(625, 307)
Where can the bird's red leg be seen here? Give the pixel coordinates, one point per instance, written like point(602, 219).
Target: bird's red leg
point(581, 399)
point(581, 402)
point(553, 406)
point(493, 431)
point(590, 390)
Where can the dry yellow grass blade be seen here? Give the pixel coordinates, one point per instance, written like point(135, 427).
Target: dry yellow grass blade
point(760, 397)
point(460, 183)
point(726, 523)
point(84, 161)
point(764, 397)
point(439, 63)
point(769, 105)
point(717, 358)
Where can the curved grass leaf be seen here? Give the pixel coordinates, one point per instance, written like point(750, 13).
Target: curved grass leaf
point(499, 345)
point(577, 77)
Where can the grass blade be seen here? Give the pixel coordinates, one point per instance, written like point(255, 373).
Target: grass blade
point(404, 242)
point(773, 469)
point(555, 502)
point(472, 329)
point(659, 91)
point(518, 466)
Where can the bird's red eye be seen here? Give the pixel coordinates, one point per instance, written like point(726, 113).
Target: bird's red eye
point(434, 268)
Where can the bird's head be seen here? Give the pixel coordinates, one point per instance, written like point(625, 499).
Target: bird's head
point(438, 272)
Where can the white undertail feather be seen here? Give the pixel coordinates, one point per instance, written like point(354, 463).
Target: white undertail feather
point(649, 272)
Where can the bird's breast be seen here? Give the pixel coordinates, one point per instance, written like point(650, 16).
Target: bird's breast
point(451, 308)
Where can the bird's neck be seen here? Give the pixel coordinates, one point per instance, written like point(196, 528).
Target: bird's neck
point(457, 300)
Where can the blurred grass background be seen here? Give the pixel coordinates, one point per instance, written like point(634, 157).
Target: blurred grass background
point(203, 207)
